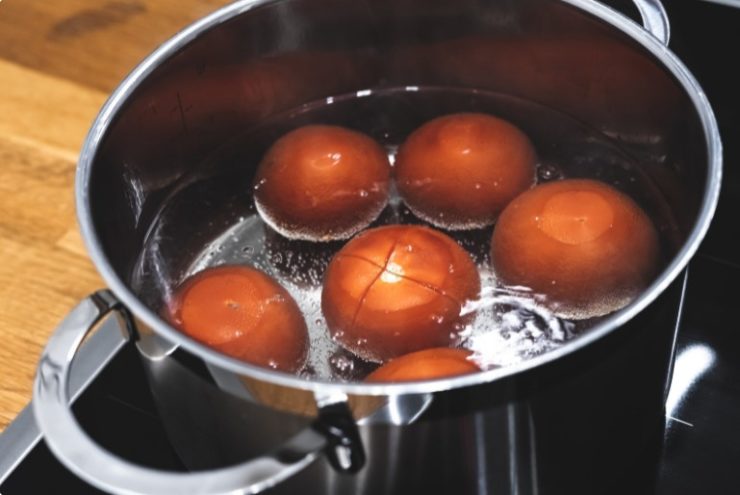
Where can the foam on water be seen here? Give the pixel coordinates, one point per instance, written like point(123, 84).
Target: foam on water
point(510, 326)
point(306, 234)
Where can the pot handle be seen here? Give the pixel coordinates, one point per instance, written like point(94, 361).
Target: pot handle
point(333, 432)
point(654, 19)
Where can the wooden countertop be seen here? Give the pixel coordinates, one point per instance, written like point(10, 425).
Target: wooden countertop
point(58, 62)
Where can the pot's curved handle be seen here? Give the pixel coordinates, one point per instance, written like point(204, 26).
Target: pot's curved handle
point(333, 431)
point(654, 19)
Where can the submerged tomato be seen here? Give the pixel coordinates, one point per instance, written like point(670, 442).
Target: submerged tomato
point(425, 365)
point(459, 171)
point(321, 183)
point(583, 245)
point(244, 313)
point(398, 289)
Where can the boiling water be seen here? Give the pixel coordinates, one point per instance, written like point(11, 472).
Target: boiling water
point(215, 200)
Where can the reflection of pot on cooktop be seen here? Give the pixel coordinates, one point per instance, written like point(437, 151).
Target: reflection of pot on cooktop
point(517, 427)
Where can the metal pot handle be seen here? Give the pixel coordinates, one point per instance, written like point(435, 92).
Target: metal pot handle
point(654, 19)
point(334, 431)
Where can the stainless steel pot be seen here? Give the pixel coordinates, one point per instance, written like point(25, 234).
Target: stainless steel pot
point(560, 422)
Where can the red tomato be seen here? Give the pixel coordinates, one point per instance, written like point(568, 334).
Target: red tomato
point(244, 313)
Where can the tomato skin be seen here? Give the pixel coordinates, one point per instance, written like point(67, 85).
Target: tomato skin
point(398, 289)
point(425, 365)
point(459, 171)
point(321, 183)
point(586, 247)
point(243, 313)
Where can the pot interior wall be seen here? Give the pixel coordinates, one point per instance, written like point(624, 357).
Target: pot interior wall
point(280, 55)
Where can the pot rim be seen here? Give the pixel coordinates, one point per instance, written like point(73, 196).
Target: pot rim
point(121, 94)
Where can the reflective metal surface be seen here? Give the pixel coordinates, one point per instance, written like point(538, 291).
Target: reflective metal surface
point(583, 404)
point(66, 438)
point(700, 448)
point(655, 19)
point(143, 140)
point(538, 438)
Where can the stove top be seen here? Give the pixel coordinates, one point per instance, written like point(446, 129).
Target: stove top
point(701, 445)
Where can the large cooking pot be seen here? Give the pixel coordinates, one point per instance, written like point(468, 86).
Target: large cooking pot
point(583, 418)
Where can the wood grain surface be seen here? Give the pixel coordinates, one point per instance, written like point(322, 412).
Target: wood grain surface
point(58, 62)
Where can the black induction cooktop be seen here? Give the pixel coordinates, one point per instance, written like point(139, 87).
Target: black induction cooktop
point(701, 445)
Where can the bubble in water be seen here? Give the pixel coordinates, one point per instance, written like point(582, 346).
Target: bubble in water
point(346, 366)
point(308, 371)
point(548, 172)
point(341, 363)
point(318, 233)
point(259, 184)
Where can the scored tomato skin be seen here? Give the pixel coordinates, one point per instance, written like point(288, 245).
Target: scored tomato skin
point(398, 289)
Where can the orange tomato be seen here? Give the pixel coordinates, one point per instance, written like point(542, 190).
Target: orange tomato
point(244, 313)
point(459, 171)
point(398, 289)
point(425, 365)
point(588, 248)
point(322, 183)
